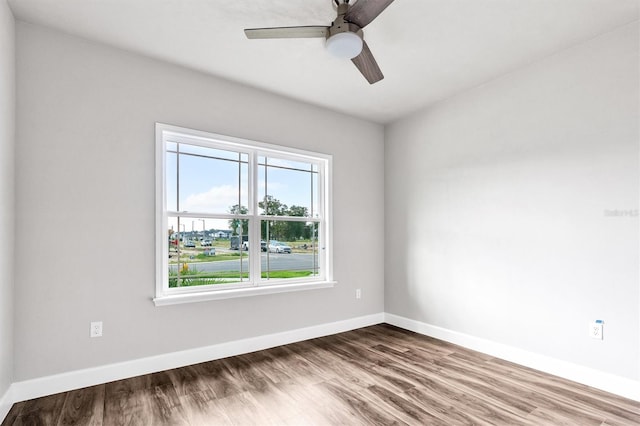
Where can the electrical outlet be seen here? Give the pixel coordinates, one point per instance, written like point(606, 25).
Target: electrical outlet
point(358, 293)
point(96, 329)
point(595, 329)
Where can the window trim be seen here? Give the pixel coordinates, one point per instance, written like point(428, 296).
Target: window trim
point(166, 296)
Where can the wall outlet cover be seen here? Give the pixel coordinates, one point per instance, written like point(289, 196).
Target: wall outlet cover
point(595, 329)
point(96, 329)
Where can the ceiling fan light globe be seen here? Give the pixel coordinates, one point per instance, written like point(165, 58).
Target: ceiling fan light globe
point(346, 45)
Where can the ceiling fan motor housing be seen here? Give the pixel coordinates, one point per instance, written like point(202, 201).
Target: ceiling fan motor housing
point(344, 39)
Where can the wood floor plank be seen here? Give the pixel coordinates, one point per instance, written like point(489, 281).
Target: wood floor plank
point(83, 407)
point(401, 407)
point(607, 398)
point(125, 404)
point(357, 405)
point(565, 392)
point(187, 380)
point(336, 366)
point(544, 404)
point(414, 341)
point(164, 406)
point(244, 410)
point(143, 400)
point(246, 375)
point(519, 404)
point(269, 366)
point(41, 411)
point(465, 397)
point(301, 370)
point(378, 375)
point(548, 417)
point(318, 406)
point(278, 404)
point(203, 409)
point(516, 406)
point(316, 362)
point(218, 378)
point(441, 405)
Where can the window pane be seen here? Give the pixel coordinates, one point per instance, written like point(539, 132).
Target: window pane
point(171, 173)
point(285, 191)
point(201, 254)
point(292, 257)
point(211, 185)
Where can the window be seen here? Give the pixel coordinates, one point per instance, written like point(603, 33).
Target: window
point(238, 218)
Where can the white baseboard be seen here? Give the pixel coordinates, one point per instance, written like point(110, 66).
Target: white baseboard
point(608, 382)
point(42, 386)
point(5, 404)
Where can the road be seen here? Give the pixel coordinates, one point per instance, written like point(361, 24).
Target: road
point(277, 262)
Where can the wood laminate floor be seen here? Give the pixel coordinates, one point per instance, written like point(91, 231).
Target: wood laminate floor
point(379, 375)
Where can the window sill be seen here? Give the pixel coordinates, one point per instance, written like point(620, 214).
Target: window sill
point(175, 299)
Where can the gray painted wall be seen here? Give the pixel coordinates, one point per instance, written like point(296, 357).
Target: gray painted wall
point(85, 205)
point(497, 203)
point(495, 206)
point(7, 192)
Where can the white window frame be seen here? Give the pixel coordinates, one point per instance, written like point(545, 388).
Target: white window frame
point(168, 296)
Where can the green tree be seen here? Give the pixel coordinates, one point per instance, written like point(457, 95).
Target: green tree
point(296, 230)
point(273, 207)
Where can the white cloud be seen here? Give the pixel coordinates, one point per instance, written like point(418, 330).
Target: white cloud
point(216, 200)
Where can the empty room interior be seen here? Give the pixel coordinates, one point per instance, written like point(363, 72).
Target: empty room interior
point(262, 212)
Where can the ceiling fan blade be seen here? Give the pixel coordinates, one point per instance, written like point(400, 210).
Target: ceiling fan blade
point(365, 11)
point(287, 32)
point(367, 65)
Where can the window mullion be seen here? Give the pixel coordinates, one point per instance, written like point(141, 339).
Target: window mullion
point(323, 230)
point(254, 224)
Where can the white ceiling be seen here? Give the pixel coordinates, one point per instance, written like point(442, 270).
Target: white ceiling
point(428, 50)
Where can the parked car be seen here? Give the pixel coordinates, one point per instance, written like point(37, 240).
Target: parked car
point(190, 244)
point(206, 243)
point(278, 247)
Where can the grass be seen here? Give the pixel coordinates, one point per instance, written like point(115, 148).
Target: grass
point(218, 257)
point(190, 277)
point(286, 274)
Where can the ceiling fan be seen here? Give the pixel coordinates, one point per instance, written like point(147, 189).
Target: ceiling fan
point(344, 35)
